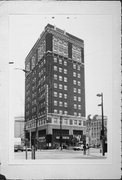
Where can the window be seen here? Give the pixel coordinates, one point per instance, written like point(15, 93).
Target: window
point(60, 61)
point(60, 86)
point(79, 122)
point(65, 87)
point(55, 59)
point(41, 63)
point(71, 121)
point(65, 96)
point(65, 79)
point(55, 120)
point(74, 66)
point(60, 69)
point(55, 103)
point(60, 95)
point(74, 74)
point(79, 99)
point(60, 103)
point(55, 68)
point(65, 104)
point(66, 121)
point(55, 85)
point(75, 122)
point(39, 74)
point(79, 107)
point(79, 114)
point(75, 106)
point(75, 90)
point(75, 113)
point(78, 75)
point(65, 112)
point(79, 91)
point(55, 76)
point(60, 112)
point(65, 63)
point(79, 67)
point(74, 82)
point(65, 71)
point(60, 78)
point(75, 98)
point(84, 123)
point(55, 111)
point(76, 53)
point(44, 61)
point(44, 78)
point(79, 83)
point(55, 94)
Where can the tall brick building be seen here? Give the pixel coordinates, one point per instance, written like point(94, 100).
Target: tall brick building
point(55, 88)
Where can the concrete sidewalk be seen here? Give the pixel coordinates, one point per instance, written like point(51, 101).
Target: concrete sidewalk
point(63, 154)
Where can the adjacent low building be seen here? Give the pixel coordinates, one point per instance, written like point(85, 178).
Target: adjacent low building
point(19, 122)
point(93, 130)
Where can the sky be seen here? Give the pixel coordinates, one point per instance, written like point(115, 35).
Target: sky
point(95, 30)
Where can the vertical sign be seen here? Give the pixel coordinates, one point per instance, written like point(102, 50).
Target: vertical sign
point(47, 99)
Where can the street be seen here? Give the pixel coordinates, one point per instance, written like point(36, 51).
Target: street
point(62, 154)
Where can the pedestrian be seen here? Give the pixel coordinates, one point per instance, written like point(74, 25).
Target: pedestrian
point(87, 147)
point(84, 149)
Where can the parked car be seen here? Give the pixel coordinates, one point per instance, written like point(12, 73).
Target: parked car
point(78, 148)
point(28, 148)
point(18, 148)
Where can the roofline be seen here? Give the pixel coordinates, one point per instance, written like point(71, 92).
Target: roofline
point(49, 26)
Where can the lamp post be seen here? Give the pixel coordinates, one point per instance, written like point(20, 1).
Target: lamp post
point(102, 131)
point(36, 131)
point(25, 71)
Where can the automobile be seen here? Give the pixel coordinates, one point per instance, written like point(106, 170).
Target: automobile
point(18, 148)
point(78, 148)
point(28, 148)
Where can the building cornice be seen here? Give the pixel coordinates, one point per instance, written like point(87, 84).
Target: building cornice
point(65, 37)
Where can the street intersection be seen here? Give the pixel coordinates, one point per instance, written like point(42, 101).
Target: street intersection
point(92, 153)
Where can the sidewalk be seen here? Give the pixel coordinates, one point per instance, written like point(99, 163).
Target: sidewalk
point(62, 154)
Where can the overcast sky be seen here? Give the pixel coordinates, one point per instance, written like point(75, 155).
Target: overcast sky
point(95, 30)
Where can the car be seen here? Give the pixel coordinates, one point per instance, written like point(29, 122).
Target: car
point(78, 148)
point(28, 148)
point(18, 148)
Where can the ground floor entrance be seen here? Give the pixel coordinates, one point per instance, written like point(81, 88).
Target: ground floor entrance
point(58, 138)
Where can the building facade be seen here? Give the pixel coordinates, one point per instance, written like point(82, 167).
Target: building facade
point(94, 127)
point(55, 88)
point(19, 127)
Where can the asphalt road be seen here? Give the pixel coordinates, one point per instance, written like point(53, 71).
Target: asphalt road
point(62, 154)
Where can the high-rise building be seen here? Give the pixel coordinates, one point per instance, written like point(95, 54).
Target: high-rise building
point(55, 88)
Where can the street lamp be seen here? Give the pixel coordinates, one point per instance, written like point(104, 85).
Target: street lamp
point(102, 131)
point(25, 71)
